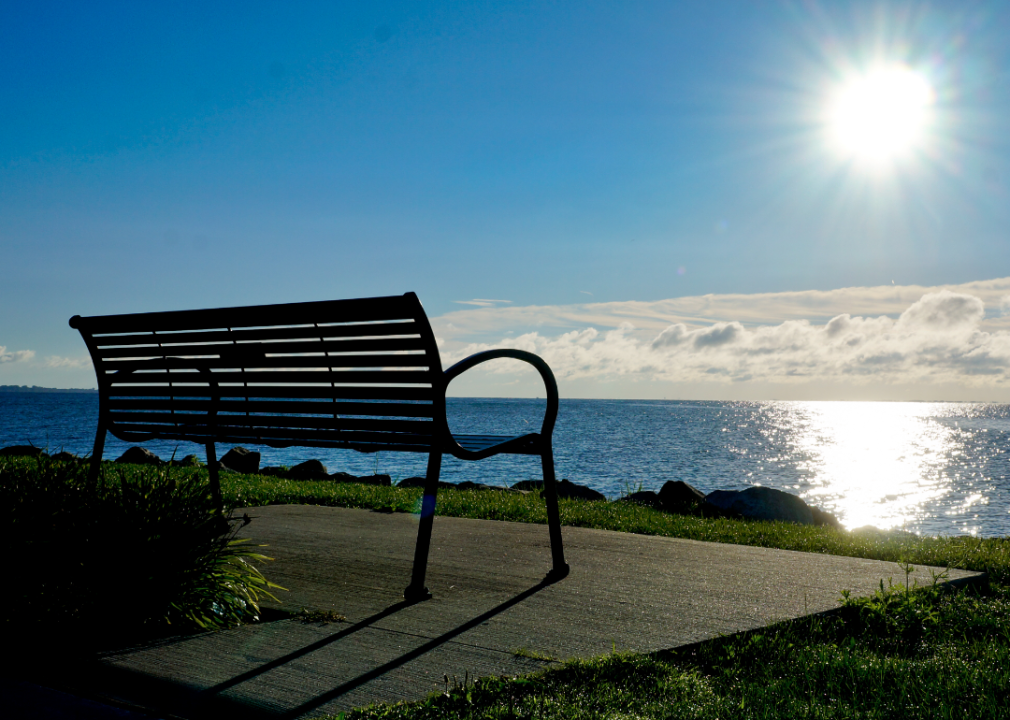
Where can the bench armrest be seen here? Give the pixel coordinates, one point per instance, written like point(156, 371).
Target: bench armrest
point(550, 384)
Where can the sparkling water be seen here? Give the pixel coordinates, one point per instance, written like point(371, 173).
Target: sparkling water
point(932, 468)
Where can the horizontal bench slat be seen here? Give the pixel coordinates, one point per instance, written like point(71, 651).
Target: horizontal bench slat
point(190, 367)
point(295, 436)
point(348, 392)
point(239, 439)
point(271, 377)
point(474, 442)
point(184, 367)
point(260, 405)
point(358, 310)
point(373, 345)
point(419, 427)
point(221, 336)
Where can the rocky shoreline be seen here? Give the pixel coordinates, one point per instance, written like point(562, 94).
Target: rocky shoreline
point(675, 497)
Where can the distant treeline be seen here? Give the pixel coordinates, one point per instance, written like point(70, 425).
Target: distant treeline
point(36, 388)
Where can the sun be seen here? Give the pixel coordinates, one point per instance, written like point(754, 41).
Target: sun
point(882, 115)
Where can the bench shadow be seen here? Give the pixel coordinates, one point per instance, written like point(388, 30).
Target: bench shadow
point(318, 645)
point(145, 693)
point(427, 647)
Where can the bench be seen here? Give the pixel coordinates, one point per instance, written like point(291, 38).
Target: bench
point(359, 374)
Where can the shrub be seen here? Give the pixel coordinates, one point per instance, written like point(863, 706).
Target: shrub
point(140, 548)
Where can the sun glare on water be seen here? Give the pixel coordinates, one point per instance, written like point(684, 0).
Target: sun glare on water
point(882, 115)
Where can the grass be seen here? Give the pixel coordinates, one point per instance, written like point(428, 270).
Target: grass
point(834, 666)
point(933, 652)
point(990, 555)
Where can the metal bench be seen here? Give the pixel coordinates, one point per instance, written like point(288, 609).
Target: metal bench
point(354, 374)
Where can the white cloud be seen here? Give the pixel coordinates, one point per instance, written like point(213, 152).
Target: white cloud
point(13, 356)
point(51, 361)
point(936, 338)
point(481, 302)
point(487, 323)
point(54, 361)
point(944, 311)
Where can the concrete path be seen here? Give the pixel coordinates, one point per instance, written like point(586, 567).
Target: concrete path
point(490, 613)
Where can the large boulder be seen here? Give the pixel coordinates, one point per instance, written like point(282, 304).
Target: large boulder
point(21, 451)
point(568, 489)
point(763, 503)
point(470, 485)
point(309, 470)
point(188, 461)
point(381, 480)
point(823, 517)
point(418, 482)
point(139, 456)
point(241, 460)
point(644, 497)
point(679, 497)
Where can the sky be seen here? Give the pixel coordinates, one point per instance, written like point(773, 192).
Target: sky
point(659, 198)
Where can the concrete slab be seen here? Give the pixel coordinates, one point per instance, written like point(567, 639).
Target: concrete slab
point(490, 610)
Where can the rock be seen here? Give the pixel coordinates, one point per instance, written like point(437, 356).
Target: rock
point(411, 482)
point(823, 517)
point(309, 470)
point(64, 456)
point(188, 461)
point(679, 497)
point(876, 533)
point(274, 471)
point(762, 503)
point(467, 485)
point(568, 489)
point(418, 482)
point(240, 460)
point(382, 480)
point(21, 451)
point(644, 497)
point(139, 456)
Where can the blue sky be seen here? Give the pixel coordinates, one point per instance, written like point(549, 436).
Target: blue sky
point(589, 167)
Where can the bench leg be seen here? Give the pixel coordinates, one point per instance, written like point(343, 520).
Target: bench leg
point(96, 455)
point(560, 568)
point(416, 590)
point(214, 476)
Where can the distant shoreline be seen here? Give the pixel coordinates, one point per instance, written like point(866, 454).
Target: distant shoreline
point(37, 389)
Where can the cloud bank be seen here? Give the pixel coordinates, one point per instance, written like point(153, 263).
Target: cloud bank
point(942, 337)
point(13, 356)
point(49, 362)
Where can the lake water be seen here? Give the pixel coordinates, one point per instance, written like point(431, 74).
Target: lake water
point(932, 468)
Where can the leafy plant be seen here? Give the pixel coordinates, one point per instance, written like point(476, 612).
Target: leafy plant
point(897, 616)
point(140, 548)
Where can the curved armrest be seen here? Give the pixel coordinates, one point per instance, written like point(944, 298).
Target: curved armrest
point(550, 384)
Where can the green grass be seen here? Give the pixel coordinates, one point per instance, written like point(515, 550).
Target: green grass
point(990, 555)
point(835, 666)
point(932, 652)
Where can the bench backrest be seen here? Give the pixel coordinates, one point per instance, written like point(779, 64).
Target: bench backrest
point(361, 374)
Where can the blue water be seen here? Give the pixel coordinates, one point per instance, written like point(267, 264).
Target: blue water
point(932, 468)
